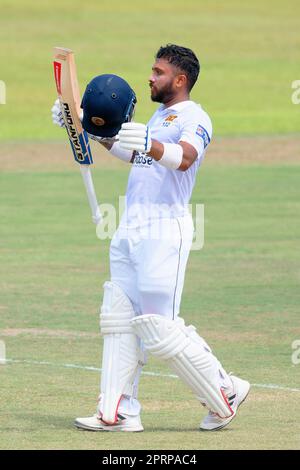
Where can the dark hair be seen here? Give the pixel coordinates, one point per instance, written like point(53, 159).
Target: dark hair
point(184, 59)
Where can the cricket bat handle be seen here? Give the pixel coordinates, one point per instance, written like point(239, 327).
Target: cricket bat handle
point(91, 194)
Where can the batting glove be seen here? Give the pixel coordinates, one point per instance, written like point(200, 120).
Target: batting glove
point(135, 136)
point(57, 116)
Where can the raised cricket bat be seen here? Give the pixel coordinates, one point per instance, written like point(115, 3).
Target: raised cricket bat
point(69, 97)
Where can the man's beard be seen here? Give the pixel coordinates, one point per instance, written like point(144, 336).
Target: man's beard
point(163, 96)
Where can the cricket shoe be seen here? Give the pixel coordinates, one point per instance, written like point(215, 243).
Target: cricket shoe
point(236, 395)
point(124, 423)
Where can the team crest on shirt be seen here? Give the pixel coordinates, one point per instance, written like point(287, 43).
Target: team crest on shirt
point(169, 119)
point(201, 132)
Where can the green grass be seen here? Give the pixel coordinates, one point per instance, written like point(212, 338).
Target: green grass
point(241, 291)
point(249, 54)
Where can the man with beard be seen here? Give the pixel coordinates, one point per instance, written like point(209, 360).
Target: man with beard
point(149, 253)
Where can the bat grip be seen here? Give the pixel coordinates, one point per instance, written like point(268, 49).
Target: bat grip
point(91, 194)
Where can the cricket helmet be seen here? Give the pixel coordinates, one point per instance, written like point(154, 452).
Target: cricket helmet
point(108, 101)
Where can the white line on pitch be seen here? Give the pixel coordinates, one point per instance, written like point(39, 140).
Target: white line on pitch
point(153, 374)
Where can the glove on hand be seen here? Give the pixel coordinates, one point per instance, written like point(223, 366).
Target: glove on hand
point(57, 116)
point(135, 136)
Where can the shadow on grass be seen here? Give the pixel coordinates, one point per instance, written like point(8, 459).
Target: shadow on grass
point(29, 422)
point(34, 422)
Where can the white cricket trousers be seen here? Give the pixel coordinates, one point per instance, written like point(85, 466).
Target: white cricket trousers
point(148, 262)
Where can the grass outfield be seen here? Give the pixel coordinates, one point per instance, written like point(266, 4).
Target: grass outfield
point(241, 291)
point(249, 51)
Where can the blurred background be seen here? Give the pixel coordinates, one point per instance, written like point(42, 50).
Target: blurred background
point(249, 54)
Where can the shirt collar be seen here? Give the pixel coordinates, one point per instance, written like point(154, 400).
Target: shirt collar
point(175, 107)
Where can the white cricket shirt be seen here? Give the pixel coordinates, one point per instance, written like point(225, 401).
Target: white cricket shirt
point(154, 190)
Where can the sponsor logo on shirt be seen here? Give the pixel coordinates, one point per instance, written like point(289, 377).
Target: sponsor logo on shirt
point(201, 132)
point(169, 119)
point(142, 160)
